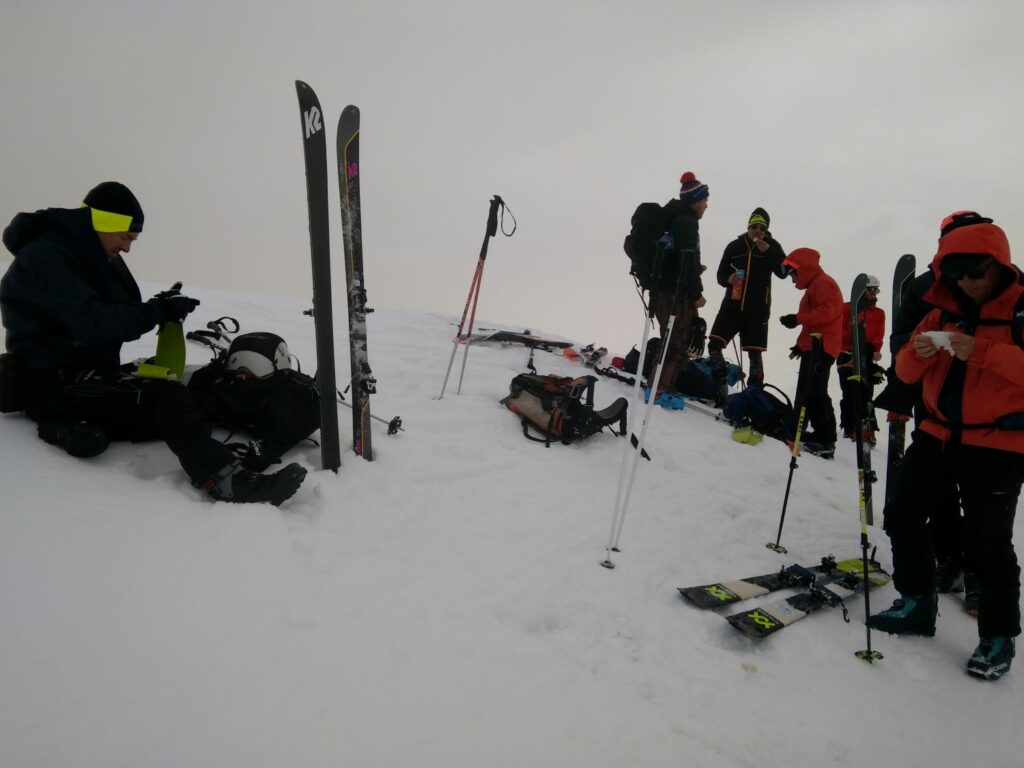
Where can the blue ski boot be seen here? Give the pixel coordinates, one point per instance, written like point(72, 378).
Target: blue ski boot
point(908, 616)
point(991, 659)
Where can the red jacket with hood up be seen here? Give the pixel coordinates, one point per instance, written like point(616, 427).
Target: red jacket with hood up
point(993, 382)
point(821, 306)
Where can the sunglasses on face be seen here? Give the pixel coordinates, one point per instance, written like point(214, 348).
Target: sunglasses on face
point(975, 273)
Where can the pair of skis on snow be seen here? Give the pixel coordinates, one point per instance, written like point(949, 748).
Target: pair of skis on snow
point(824, 585)
point(363, 383)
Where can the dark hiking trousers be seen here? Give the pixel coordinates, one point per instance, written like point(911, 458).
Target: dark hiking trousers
point(989, 483)
point(129, 408)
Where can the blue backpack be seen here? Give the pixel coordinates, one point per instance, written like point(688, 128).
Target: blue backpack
point(758, 408)
point(696, 380)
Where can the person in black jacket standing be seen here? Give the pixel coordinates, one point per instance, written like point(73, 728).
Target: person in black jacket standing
point(68, 303)
point(678, 277)
point(745, 271)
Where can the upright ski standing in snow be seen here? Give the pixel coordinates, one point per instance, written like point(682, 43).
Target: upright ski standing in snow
point(314, 144)
point(897, 427)
point(862, 418)
point(363, 383)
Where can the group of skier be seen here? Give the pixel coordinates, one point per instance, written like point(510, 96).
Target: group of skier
point(745, 271)
point(958, 349)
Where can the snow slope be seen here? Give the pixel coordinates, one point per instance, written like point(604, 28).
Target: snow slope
point(444, 606)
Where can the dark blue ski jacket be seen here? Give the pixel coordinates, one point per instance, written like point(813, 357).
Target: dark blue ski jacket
point(65, 305)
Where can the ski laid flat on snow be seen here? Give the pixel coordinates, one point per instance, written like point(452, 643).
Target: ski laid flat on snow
point(725, 593)
point(363, 383)
point(768, 619)
point(314, 145)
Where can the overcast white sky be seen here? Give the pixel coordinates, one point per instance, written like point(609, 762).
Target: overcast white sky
point(857, 125)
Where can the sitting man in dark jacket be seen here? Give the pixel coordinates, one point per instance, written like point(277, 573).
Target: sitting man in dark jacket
point(68, 302)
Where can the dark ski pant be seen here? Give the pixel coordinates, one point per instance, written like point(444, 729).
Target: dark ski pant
point(988, 482)
point(676, 353)
point(821, 415)
point(129, 408)
point(847, 418)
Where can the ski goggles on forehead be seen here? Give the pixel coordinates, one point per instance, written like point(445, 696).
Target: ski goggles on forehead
point(958, 270)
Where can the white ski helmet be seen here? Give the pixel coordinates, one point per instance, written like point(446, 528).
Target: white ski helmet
point(258, 354)
point(873, 282)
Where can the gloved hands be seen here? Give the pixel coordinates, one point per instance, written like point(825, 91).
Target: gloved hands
point(789, 321)
point(795, 352)
point(173, 306)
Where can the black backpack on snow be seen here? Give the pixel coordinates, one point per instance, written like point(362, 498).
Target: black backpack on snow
point(758, 408)
point(561, 408)
point(277, 410)
point(648, 224)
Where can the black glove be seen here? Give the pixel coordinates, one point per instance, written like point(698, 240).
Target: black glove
point(795, 352)
point(789, 321)
point(174, 307)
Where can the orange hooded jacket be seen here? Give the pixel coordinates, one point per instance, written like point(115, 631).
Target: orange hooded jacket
point(821, 306)
point(994, 378)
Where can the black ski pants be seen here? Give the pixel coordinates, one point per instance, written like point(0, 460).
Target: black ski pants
point(129, 408)
point(988, 482)
point(816, 367)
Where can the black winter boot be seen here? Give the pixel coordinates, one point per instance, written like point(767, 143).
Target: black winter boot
point(244, 487)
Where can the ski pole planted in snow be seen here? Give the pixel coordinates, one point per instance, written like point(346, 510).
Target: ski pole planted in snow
point(865, 476)
point(801, 411)
point(622, 497)
point(474, 291)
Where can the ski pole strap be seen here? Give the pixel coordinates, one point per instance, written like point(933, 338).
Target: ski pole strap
point(505, 208)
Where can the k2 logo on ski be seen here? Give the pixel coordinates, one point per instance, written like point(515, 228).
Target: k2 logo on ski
point(312, 121)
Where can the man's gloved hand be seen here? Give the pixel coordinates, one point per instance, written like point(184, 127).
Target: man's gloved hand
point(795, 352)
point(174, 307)
point(789, 321)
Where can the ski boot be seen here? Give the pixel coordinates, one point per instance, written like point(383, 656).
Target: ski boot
point(824, 450)
point(672, 401)
point(241, 486)
point(991, 659)
point(908, 616)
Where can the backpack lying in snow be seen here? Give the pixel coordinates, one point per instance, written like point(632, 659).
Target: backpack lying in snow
point(252, 387)
point(696, 380)
point(758, 408)
point(561, 408)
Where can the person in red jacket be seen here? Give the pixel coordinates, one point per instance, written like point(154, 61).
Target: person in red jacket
point(820, 317)
point(872, 319)
point(967, 354)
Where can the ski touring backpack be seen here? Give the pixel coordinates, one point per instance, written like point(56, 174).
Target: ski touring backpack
point(251, 387)
point(695, 378)
point(758, 408)
point(648, 223)
point(561, 408)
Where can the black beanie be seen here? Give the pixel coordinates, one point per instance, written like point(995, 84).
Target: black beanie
point(759, 216)
point(114, 208)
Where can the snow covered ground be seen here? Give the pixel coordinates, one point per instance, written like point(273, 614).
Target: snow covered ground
point(444, 605)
